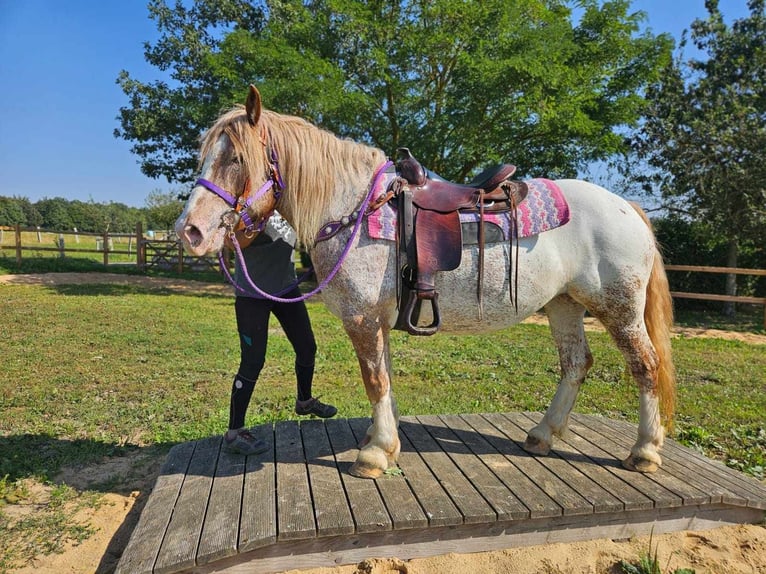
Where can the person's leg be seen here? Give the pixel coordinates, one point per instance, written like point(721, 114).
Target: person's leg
point(296, 324)
point(253, 327)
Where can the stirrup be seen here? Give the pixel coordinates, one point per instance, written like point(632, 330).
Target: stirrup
point(413, 303)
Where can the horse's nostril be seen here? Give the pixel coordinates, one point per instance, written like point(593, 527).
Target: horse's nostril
point(193, 235)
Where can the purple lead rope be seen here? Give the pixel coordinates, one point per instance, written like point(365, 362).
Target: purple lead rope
point(326, 280)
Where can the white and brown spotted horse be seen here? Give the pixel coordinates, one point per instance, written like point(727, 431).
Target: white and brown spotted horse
point(604, 261)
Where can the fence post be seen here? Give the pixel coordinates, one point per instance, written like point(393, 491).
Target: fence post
point(140, 254)
point(18, 244)
point(180, 258)
point(106, 248)
point(61, 247)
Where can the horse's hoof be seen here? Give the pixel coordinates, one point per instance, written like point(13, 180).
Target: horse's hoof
point(640, 464)
point(371, 462)
point(361, 470)
point(534, 445)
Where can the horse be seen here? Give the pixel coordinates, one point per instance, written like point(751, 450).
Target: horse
point(605, 261)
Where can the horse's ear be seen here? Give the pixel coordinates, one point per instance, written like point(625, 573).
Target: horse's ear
point(253, 105)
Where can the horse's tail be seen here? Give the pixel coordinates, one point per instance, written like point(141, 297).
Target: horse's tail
point(658, 316)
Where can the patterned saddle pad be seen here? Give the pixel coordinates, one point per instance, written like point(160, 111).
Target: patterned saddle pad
point(544, 209)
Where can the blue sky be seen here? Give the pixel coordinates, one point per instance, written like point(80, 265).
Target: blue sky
point(59, 60)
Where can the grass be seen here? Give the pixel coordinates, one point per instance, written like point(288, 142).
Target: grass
point(106, 371)
point(649, 563)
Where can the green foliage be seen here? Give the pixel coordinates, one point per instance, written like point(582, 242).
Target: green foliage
point(702, 144)
point(163, 208)
point(12, 492)
point(697, 242)
point(44, 529)
point(65, 215)
point(649, 563)
point(462, 83)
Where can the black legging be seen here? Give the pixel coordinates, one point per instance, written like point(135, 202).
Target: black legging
point(253, 327)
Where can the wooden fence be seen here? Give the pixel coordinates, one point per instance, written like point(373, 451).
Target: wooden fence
point(115, 248)
point(168, 253)
point(716, 297)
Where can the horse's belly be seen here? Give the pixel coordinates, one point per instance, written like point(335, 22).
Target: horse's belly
point(459, 289)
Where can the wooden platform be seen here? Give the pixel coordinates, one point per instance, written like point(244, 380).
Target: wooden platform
point(466, 486)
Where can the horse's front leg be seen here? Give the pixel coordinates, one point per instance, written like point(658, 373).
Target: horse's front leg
point(381, 445)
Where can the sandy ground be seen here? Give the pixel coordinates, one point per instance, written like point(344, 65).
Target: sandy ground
point(724, 550)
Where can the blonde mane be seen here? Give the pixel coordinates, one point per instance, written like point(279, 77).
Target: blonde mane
point(313, 162)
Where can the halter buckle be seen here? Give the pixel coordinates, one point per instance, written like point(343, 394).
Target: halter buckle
point(229, 221)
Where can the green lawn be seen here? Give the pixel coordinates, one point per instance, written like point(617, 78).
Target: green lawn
point(105, 371)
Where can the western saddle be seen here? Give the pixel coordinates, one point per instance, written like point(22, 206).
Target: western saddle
point(430, 233)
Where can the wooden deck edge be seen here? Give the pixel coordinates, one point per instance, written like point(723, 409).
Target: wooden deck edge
point(468, 538)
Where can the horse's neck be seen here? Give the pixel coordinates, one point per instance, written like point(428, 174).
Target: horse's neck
point(347, 183)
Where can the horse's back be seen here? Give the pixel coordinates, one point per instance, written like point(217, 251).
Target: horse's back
point(605, 245)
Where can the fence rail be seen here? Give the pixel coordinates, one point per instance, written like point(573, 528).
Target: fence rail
point(168, 254)
point(146, 252)
point(715, 296)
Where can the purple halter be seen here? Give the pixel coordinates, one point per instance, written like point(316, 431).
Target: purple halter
point(241, 203)
point(361, 213)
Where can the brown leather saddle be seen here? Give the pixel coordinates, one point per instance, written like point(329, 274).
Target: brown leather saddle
point(430, 233)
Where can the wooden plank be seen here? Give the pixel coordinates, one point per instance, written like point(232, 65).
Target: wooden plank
point(679, 467)
point(488, 443)
point(179, 548)
point(367, 507)
point(662, 492)
point(631, 498)
point(437, 504)
point(469, 502)
point(727, 270)
point(337, 551)
point(144, 544)
point(401, 503)
point(258, 521)
point(716, 297)
point(600, 499)
point(468, 472)
point(598, 450)
point(498, 495)
point(564, 495)
point(331, 509)
point(738, 487)
point(689, 493)
point(221, 528)
point(295, 512)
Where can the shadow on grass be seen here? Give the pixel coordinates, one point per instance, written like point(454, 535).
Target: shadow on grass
point(121, 290)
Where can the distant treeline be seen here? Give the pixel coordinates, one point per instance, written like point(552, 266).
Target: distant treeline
point(63, 214)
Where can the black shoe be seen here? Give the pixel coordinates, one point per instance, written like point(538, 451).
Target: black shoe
point(244, 443)
point(315, 407)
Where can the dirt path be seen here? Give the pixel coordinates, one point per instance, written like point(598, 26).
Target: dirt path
point(725, 550)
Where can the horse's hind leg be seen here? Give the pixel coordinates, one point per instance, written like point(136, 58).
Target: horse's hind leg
point(565, 317)
point(633, 341)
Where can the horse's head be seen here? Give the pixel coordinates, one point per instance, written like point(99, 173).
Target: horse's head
point(239, 182)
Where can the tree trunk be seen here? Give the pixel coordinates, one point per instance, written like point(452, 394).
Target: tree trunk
point(729, 307)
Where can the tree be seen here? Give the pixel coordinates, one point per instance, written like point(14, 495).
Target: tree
point(55, 213)
point(163, 208)
point(463, 83)
point(704, 137)
point(11, 212)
